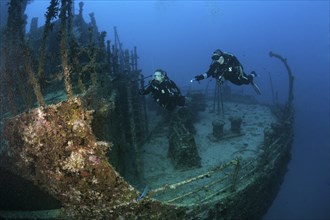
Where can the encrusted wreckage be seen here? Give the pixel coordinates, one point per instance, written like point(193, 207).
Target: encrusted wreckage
point(80, 141)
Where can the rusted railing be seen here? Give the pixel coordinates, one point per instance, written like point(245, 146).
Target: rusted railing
point(231, 177)
point(228, 177)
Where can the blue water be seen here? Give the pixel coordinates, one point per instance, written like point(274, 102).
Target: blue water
point(179, 36)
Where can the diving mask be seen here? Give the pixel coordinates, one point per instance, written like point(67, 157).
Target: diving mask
point(158, 76)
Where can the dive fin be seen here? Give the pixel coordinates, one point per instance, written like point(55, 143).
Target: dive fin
point(256, 88)
point(143, 194)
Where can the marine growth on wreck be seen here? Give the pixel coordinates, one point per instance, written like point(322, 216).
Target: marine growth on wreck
point(75, 128)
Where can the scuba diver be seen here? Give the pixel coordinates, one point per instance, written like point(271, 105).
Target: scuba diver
point(164, 91)
point(226, 66)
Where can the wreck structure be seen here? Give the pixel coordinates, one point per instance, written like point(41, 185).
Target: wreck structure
point(78, 142)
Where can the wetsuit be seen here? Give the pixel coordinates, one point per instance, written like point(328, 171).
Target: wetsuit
point(166, 93)
point(229, 70)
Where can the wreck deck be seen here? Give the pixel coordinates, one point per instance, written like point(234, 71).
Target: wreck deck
point(218, 157)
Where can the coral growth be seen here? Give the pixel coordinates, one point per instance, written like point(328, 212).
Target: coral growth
point(56, 144)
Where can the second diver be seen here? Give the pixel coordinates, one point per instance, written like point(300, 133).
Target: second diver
point(226, 66)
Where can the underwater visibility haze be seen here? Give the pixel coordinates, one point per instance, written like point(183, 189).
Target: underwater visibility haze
point(180, 37)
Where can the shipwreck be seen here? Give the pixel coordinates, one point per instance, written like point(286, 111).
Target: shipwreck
point(78, 142)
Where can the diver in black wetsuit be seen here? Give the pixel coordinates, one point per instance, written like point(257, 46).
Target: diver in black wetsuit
point(226, 66)
point(164, 91)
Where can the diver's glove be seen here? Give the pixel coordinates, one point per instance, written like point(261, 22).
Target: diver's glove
point(141, 92)
point(199, 77)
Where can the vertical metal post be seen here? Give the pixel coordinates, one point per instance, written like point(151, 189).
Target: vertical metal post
point(235, 174)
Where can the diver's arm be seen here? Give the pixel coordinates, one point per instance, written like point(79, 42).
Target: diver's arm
point(209, 73)
point(145, 91)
